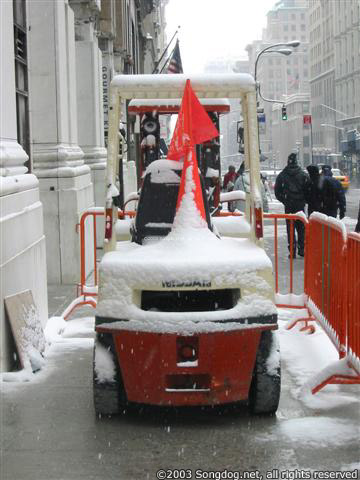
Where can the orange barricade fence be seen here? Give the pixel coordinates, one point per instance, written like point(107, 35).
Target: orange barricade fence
point(353, 284)
point(288, 299)
point(333, 294)
point(87, 292)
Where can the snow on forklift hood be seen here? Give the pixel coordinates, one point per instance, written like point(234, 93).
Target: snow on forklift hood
point(195, 260)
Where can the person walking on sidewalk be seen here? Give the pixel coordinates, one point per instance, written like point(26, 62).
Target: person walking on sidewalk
point(333, 194)
point(290, 189)
point(314, 192)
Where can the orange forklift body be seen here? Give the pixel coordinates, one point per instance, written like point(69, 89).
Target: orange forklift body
point(154, 371)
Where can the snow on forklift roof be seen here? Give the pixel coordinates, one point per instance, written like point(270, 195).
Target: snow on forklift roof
point(172, 105)
point(229, 85)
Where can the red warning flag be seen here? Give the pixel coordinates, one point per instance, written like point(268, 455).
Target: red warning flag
point(193, 126)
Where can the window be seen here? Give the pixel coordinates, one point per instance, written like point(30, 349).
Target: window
point(286, 28)
point(302, 27)
point(21, 77)
point(293, 28)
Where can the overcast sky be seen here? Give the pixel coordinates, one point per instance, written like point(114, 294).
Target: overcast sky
point(215, 28)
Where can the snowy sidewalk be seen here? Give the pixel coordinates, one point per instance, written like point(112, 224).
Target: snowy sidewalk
point(49, 430)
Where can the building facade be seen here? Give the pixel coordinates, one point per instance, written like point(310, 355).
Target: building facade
point(322, 80)
point(58, 59)
point(347, 84)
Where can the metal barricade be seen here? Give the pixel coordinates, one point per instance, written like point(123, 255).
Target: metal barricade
point(333, 294)
point(288, 299)
point(353, 285)
point(87, 293)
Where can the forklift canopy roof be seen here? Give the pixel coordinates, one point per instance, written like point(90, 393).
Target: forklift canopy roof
point(172, 105)
point(172, 86)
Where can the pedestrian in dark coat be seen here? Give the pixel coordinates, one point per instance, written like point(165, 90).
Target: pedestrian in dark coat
point(314, 193)
point(290, 189)
point(333, 194)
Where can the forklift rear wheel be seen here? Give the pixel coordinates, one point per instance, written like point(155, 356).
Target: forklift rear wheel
point(109, 396)
point(264, 393)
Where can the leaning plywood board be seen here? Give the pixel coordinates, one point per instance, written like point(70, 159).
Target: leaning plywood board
point(26, 328)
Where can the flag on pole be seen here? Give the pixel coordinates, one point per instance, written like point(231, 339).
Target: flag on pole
point(175, 64)
point(193, 126)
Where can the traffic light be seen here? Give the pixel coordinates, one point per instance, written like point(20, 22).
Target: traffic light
point(283, 113)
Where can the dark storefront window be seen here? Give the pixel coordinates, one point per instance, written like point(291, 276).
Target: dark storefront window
point(21, 77)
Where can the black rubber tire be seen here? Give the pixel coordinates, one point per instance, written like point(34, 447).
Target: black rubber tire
point(265, 387)
point(109, 397)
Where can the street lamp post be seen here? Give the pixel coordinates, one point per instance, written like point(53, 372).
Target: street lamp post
point(275, 48)
point(270, 49)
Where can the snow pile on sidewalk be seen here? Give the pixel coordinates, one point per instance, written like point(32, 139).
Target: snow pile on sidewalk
point(309, 358)
point(59, 334)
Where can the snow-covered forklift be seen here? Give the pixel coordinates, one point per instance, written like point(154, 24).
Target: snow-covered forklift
point(153, 146)
point(184, 316)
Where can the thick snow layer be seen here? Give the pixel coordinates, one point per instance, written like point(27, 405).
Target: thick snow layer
point(104, 365)
point(228, 85)
point(165, 176)
point(318, 432)
point(308, 358)
point(177, 258)
point(338, 224)
point(158, 225)
point(232, 226)
point(122, 228)
point(186, 323)
point(61, 336)
point(231, 196)
point(162, 164)
point(290, 299)
point(187, 218)
point(174, 102)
